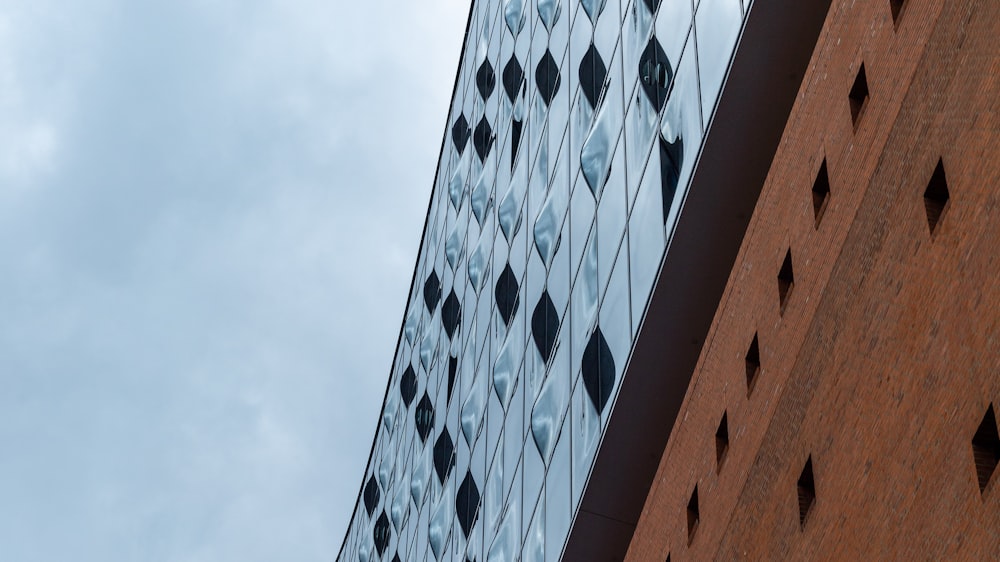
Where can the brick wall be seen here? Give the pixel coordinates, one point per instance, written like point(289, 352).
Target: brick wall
point(887, 354)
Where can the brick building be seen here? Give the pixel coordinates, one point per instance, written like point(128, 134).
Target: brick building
point(843, 406)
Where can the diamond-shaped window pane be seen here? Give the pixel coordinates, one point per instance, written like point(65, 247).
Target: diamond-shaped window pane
point(598, 370)
point(381, 534)
point(507, 294)
point(513, 77)
point(592, 75)
point(451, 314)
point(460, 132)
point(444, 455)
point(655, 73)
point(544, 325)
point(547, 77)
point(467, 504)
point(371, 495)
point(486, 80)
point(483, 138)
point(432, 291)
point(424, 417)
point(408, 386)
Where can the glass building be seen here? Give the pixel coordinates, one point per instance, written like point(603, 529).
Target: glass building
point(574, 132)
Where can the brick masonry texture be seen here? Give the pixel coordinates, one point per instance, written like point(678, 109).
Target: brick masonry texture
point(887, 355)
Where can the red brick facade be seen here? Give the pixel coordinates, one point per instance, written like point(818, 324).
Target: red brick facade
point(886, 355)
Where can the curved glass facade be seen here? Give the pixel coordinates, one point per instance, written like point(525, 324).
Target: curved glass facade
point(573, 133)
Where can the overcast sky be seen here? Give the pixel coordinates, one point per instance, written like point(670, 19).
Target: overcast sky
point(209, 216)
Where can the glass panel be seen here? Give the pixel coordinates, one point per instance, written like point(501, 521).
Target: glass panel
point(513, 11)
point(385, 470)
point(534, 477)
point(586, 432)
point(611, 215)
point(558, 511)
point(440, 521)
point(558, 281)
point(581, 220)
point(401, 503)
point(682, 120)
point(389, 413)
point(615, 318)
point(598, 149)
point(420, 474)
point(548, 225)
point(508, 362)
point(479, 259)
point(718, 27)
point(553, 400)
point(493, 495)
point(646, 242)
point(507, 543)
point(584, 299)
point(534, 542)
point(473, 409)
point(482, 192)
point(412, 321)
point(513, 435)
point(640, 130)
point(549, 12)
point(593, 8)
point(456, 188)
point(608, 28)
point(673, 21)
point(509, 211)
point(455, 246)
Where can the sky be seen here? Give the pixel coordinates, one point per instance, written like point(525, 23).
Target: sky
point(210, 211)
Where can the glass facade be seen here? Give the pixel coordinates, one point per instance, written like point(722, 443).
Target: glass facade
point(572, 138)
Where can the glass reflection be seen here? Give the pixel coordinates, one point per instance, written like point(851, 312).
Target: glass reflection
point(509, 212)
point(549, 222)
point(478, 261)
point(548, 11)
point(593, 8)
point(595, 159)
point(482, 194)
point(534, 543)
point(456, 187)
point(513, 13)
point(472, 410)
point(400, 507)
point(385, 471)
point(389, 412)
point(440, 524)
point(455, 246)
point(420, 474)
point(547, 413)
point(493, 495)
point(412, 322)
point(428, 347)
point(507, 543)
point(507, 364)
point(719, 23)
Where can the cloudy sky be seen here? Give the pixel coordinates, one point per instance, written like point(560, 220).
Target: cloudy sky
point(209, 216)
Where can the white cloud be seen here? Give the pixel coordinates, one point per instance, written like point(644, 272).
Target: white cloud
point(205, 281)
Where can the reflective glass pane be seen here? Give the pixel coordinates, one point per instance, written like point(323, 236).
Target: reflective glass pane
point(718, 27)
